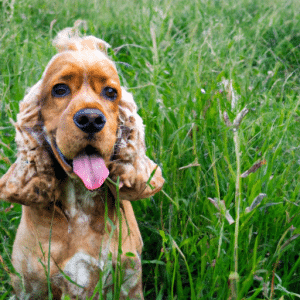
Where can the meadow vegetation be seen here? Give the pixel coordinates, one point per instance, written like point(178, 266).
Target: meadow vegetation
point(192, 66)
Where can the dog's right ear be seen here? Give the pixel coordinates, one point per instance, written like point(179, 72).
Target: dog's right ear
point(31, 179)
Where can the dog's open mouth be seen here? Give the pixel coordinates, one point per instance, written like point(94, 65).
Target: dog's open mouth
point(88, 165)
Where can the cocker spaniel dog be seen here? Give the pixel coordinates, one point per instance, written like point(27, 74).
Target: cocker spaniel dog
point(81, 157)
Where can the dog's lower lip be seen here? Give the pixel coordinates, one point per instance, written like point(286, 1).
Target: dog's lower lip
point(64, 159)
point(89, 150)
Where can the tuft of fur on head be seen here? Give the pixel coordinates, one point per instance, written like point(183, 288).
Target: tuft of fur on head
point(69, 39)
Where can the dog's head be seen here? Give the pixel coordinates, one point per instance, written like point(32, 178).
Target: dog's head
point(80, 107)
point(79, 112)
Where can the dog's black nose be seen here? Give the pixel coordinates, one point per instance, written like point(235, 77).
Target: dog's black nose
point(89, 120)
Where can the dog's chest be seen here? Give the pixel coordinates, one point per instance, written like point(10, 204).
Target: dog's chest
point(90, 246)
point(84, 270)
point(77, 197)
point(78, 205)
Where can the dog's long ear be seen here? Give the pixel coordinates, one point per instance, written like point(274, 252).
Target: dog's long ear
point(31, 179)
point(69, 39)
point(139, 176)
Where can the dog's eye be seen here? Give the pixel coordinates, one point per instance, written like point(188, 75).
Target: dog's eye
point(110, 93)
point(60, 90)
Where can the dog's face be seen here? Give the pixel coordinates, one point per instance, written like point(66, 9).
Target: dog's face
point(80, 106)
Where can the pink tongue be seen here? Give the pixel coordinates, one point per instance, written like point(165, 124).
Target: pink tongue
point(91, 169)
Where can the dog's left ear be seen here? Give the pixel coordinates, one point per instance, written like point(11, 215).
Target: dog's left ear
point(31, 179)
point(139, 176)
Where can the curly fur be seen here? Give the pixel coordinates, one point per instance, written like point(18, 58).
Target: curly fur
point(81, 238)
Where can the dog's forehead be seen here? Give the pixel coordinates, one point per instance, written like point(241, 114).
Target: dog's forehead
point(91, 62)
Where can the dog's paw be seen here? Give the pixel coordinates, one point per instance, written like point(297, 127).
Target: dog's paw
point(136, 180)
point(126, 173)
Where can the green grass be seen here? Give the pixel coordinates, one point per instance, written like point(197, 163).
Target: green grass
point(174, 58)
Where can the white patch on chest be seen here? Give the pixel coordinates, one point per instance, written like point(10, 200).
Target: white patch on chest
point(83, 270)
point(78, 200)
point(79, 268)
point(71, 199)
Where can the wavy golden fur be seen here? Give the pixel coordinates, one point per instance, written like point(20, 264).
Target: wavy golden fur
point(54, 198)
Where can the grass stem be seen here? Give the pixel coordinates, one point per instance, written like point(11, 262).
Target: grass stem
point(237, 206)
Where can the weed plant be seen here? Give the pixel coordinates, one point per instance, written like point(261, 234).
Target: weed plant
point(192, 67)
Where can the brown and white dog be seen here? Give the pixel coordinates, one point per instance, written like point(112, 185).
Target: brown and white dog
point(76, 127)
